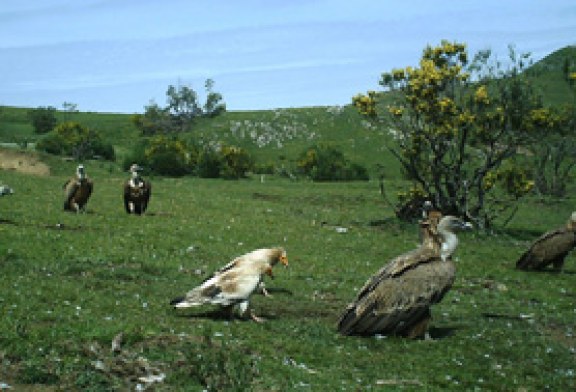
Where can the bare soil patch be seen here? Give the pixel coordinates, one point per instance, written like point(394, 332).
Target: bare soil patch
point(23, 162)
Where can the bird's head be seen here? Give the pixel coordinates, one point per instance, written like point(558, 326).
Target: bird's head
point(278, 255)
point(453, 224)
point(80, 172)
point(135, 170)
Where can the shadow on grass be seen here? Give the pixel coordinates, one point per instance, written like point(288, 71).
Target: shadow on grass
point(7, 221)
point(439, 333)
point(549, 271)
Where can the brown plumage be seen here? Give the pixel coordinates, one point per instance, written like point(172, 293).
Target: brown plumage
point(137, 192)
point(234, 283)
point(397, 299)
point(550, 248)
point(77, 191)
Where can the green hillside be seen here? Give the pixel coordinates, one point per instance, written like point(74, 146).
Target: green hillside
point(279, 136)
point(549, 77)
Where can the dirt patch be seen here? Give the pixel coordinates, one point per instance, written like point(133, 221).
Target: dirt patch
point(23, 162)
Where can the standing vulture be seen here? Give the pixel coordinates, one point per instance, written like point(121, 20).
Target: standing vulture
point(397, 299)
point(234, 283)
point(77, 191)
point(137, 192)
point(550, 248)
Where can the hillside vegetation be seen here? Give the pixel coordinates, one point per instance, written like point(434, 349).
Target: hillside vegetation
point(72, 283)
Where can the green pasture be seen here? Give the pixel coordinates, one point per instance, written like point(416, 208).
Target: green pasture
point(71, 283)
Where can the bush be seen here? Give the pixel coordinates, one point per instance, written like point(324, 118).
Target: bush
point(236, 162)
point(168, 156)
point(76, 140)
point(326, 163)
point(43, 119)
point(209, 163)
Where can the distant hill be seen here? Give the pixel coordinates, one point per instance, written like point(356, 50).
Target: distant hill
point(548, 76)
point(279, 136)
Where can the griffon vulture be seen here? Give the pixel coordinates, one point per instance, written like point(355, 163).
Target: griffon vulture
point(77, 191)
point(137, 192)
point(234, 283)
point(397, 299)
point(550, 248)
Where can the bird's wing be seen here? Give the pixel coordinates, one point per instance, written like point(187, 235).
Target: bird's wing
point(397, 266)
point(392, 302)
point(71, 187)
point(224, 289)
point(89, 187)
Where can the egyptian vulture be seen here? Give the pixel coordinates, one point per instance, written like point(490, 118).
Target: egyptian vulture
point(137, 192)
point(397, 299)
point(234, 283)
point(77, 191)
point(550, 248)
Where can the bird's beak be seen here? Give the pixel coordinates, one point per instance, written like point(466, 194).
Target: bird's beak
point(284, 260)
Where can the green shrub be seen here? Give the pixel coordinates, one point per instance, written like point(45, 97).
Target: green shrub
point(326, 163)
point(43, 119)
point(168, 156)
point(236, 162)
point(76, 140)
point(209, 163)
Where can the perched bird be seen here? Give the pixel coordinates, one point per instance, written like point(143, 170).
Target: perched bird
point(77, 191)
point(137, 192)
point(397, 299)
point(550, 248)
point(234, 283)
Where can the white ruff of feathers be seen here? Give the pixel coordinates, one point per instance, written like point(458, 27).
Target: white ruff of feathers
point(449, 244)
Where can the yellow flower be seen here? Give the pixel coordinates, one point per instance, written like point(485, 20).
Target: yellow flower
point(481, 95)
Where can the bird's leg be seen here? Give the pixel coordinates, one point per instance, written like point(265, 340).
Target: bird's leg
point(244, 308)
point(262, 288)
point(256, 318)
point(265, 292)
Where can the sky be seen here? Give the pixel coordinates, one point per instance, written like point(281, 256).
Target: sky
point(118, 56)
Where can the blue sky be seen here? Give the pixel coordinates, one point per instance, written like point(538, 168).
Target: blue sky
point(118, 55)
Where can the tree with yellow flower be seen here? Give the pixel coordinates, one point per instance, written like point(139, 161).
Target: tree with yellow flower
point(457, 123)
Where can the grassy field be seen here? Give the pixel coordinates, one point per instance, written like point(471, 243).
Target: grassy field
point(71, 283)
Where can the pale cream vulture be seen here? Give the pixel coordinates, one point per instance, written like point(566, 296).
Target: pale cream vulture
point(233, 284)
point(397, 299)
point(137, 192)
point(550, 248)
point(77, 191)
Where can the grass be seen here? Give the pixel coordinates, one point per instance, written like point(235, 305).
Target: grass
point(71, 283)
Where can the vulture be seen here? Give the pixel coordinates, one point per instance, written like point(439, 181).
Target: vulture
point(137, 192)
point(397, 299)
point(550, 248)
point(77, 191)
point(234, 283)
